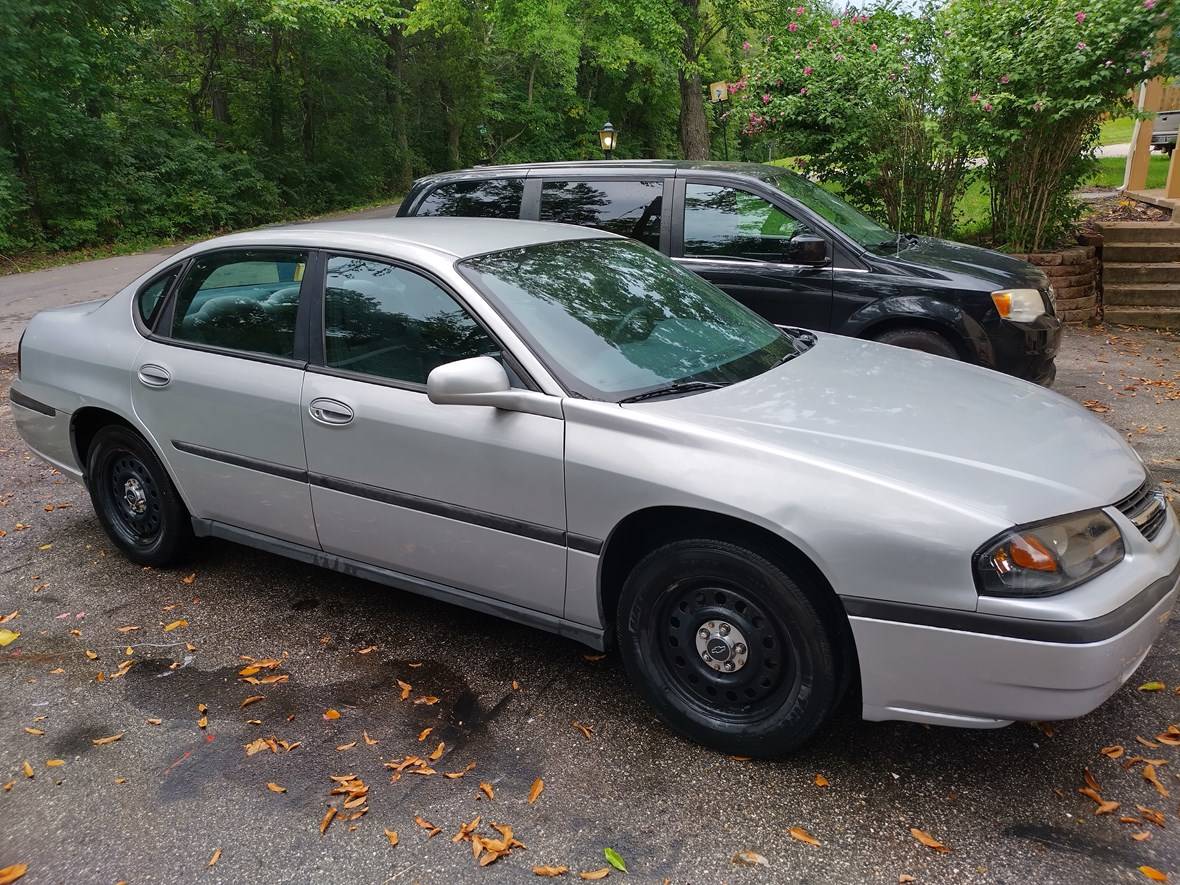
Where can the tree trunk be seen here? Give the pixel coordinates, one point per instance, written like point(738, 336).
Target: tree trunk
point(403, 175)
point(275, 90)
point(694, 127)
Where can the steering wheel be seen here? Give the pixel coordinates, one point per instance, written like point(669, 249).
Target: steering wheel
point(630, 315)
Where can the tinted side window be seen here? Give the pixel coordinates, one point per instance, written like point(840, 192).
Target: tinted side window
point(149, 297)
point(725, 221)
point(630, 208)
point(475, 199)
point(244, 300)
point(383, 320)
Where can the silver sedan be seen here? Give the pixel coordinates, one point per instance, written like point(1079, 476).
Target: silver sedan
point(563, 428)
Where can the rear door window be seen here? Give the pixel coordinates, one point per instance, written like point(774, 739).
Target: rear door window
point(241, 299)
point(629, 208)
point(148, 299)
point(498, 198)
point(725, 222)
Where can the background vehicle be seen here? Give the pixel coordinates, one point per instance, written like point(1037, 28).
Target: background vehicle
point(787, 249)
point(564, 428)
point(1164, 131)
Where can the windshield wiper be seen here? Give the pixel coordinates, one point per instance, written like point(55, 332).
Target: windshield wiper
point(672, 389)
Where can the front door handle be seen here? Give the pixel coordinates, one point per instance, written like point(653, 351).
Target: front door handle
point(151, 375)
point(330, 411)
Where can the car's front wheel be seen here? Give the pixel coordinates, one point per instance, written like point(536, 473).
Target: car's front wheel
point(924, 340)
point(731, 650)
point(135, 500)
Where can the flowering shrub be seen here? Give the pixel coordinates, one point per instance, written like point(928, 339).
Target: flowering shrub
point(1041, 74)
point(858, 94)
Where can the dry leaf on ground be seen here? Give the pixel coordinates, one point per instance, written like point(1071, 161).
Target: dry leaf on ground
point(10, 874)
point(802, 835)
point(594, 875)
point(275, 788)
point(535, 791)
point(215, 857)
point(928, 840)
point(550, 872)
point(750, 859)
point(1153, 874)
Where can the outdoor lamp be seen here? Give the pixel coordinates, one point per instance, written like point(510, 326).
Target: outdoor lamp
point(607, 139)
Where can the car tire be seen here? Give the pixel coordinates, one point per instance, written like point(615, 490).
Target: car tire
point(923, 340)
point(135, 500)
point(778, 693)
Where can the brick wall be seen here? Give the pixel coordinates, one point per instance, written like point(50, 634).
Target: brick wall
point(1073, 274)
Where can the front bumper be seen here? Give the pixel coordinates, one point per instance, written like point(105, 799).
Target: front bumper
point(1000, 669)
point(1026, 350)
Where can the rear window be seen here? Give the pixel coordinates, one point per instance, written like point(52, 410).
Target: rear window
point(148, 299)
point(629, 208)
point(498, 198)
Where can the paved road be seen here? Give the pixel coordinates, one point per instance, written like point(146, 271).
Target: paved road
point(22, 295)
point(154, 806)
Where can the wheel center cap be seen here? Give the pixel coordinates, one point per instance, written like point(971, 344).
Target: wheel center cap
point(721, 646)
point(134, 497)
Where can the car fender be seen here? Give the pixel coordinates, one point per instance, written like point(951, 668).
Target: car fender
point(927, 311)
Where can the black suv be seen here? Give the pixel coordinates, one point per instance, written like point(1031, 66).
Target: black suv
point(786, 248)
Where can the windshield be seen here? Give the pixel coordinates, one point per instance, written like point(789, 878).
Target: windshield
point(613, 318)
point(851, 221)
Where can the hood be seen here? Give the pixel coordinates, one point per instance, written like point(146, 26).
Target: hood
point(1008, 450)
point(949, 259)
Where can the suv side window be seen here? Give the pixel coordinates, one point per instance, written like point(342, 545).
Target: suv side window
point(498, 198)
point(241, 299)
point(384, 320)
point(149, 297)
point(630, 208)
point(724, 222)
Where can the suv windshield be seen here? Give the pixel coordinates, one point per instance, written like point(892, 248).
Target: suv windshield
point(614, 319)
point(851, 221)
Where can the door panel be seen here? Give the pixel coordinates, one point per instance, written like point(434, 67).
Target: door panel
point(469, 496)
point(738, 241)
point(230, 407)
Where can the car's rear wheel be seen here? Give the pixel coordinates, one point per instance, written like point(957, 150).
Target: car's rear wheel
point(914, 338)
point(731, 650)
point(135, 500)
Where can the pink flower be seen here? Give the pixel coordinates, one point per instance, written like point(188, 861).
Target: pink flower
point(807, 71)
point(745, 46)
point(987, 105)
point(974, 96)
point(835, 23)
point(803, 91)
point(1004, 79)
point(1149, 4)
point(799, 10)
point(1081, 45)
point(766, 98)
point(872, 47)
point(1080, 16)
point(793, 27)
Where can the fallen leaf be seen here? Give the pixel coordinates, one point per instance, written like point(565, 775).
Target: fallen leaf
point(516, 687)
point(344, 747)
point(550, 872)
point(1152, 686)
point(110, 739)
point(1090, 782)
point(1141, 836)
point(215, 858)
point(614, 859)
point(1150, 814)
point(11, 873)
point(188, 579)
point(203, 722)
point(4, 619)
point(275, 788)
point(484, 787)
point(587, 730)
point(424, 733)
point(366, 649)
point(454, 774)
point(803, 836)
point(8, 785)
point(535, 790)
point(92, 655)
point(406, 689)
point(1153, 874)
point(750, 859)
point(153, 721)
point(130, 628)
point(253, 699)
point(327, 819)
point(267, 680)
point(368, 740)
point(27, 769)
point(33, 731)
point(430, 828)
point(55, 763)
point(1151, 745)
point(331, 714)
point(593, 659)
point(595, 875)
point(436, 754)
point(1112, 752)
point(1150, 776)
point(1106, 807)
point(175, 625)
point(429, 700)
point(928, 840)
point(821, 781)
point(905, 878)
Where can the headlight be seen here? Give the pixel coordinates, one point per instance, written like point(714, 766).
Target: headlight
point(1019, 305)
point(1048, 557)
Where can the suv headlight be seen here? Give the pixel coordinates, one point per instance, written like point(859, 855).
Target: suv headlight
point(1048, 557)
point(1019, 305)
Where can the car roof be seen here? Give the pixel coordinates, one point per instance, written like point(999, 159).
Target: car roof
point(610, 167)
point(457, 237)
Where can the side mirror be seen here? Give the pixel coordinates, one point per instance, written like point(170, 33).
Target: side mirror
point(482, 381)
point(807, 249)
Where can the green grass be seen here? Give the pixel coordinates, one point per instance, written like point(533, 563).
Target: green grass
point(1110, 172)
point(1116, 131)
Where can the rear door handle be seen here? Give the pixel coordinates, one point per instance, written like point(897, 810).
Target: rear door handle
point(152, 375)
point(330, 411)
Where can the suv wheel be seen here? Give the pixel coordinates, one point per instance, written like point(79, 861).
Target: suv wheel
point(728, 648)
point(135, 500)
point(919, 339)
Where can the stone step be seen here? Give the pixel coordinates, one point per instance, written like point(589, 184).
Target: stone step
point(1116, 273)
point(1142, 294)
point(1148, 253)
point(1140, 232)
point(1150, 317)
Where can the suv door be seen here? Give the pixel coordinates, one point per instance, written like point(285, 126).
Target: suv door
point(464, 496)
point(219, 383)
point(631, 207)
point(740, 241)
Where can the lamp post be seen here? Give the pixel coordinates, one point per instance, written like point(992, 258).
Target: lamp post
point(607, 139)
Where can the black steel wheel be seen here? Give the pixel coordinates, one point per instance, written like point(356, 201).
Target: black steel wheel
point(134, 498)
point(731, 650)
